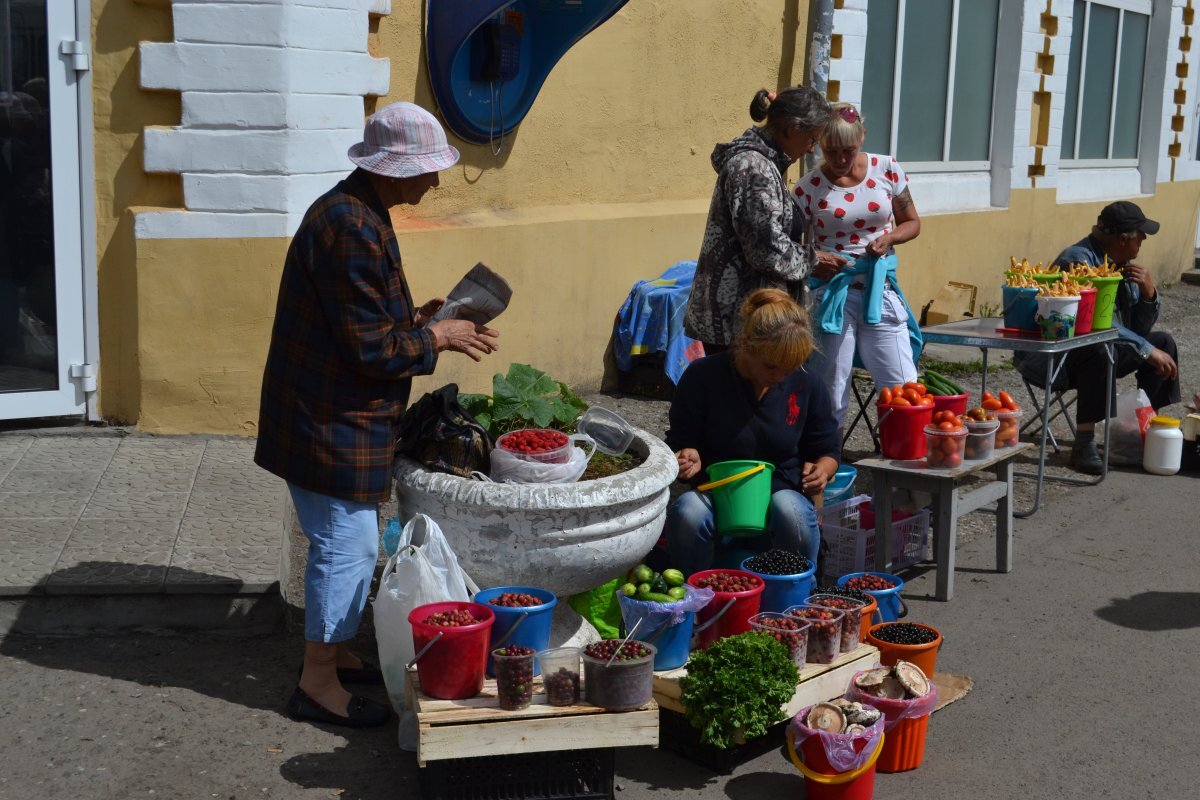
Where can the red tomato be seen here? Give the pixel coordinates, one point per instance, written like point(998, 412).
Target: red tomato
point(953, 460)
point(945, 425)
point(912, 397)
point(926, 400)
point(1007, 401)
point(992, 404)
point(900, 401)
point(988, 396)
point(885, 396)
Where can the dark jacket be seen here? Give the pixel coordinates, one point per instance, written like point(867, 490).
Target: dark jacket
point(748, 240)
point(715, 412)
point(343, 350)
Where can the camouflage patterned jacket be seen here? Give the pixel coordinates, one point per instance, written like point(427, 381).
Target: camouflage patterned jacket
point(751, 240)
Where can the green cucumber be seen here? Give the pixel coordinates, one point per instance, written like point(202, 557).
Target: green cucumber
point(673, 577)
point(628, 589)
point(932, 386)
point(655, 597)
point(677, 592)
point(946, 382)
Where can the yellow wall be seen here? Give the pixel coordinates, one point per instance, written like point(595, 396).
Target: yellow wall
point(605, 182)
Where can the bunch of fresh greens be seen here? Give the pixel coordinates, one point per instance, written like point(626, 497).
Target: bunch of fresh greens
point(738, 685)
point(524, 398)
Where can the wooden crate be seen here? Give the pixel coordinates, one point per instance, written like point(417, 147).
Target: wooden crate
point(818, 682)
point(477, 726)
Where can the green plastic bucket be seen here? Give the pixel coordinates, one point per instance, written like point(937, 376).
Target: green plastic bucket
point(1106, 298)
point(741, 505)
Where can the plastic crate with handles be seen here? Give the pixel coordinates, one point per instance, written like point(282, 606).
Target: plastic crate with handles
point(852, 547)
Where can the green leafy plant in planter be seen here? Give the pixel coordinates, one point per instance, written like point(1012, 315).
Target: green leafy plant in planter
point(737, 687)
point(525, 398)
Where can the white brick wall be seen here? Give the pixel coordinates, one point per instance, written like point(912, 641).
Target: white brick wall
point(272, 95)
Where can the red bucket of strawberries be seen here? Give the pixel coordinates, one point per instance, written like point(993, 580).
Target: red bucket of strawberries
point(737, 597)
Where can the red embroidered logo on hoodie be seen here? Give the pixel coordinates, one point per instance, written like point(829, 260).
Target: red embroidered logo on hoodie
point(793, 409)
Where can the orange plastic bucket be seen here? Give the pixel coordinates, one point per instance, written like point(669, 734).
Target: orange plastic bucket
point(728, 621)
point(923, 655)
point(858, 784)
point(870, 615)
point(902, 431)
point(453, 668)
point(905, 745)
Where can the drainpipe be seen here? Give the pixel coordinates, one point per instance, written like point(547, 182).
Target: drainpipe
point(821, 23)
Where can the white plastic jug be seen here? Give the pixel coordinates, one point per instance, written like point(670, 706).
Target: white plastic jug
point(1164, 446)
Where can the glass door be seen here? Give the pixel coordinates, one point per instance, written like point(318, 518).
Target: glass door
point(41, 264)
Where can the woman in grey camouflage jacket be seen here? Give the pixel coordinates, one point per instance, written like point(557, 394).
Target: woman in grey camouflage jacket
point(752, 239)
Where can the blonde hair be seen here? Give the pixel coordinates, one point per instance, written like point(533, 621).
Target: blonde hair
point(841, 132)
point(775, 329)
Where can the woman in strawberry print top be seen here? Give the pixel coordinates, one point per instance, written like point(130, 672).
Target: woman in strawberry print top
point(859, 208)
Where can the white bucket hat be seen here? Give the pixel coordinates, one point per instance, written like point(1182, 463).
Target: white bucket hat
point(403, 140)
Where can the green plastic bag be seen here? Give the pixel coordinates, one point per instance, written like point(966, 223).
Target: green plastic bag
point(599, 606)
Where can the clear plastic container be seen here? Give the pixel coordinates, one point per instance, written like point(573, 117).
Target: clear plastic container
point(1009, 432)
point(824, 632)
point(981, 439)
point(560, 675)
point(1163, 451)
point(621, 685)
point(851, 621)
point(559, 455)
point(944, 449)
point(787, 629)
point(608, 429)
point(514, 677)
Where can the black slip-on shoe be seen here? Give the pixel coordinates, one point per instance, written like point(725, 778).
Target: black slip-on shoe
point(362, 712)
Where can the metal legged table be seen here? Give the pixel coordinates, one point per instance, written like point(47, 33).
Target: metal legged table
point(984, 334)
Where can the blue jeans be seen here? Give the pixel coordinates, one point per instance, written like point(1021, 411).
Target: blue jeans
point(692, 529)
point(343, 547)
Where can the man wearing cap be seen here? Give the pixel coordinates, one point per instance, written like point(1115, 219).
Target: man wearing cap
point(1117, 235)
point(346, 343)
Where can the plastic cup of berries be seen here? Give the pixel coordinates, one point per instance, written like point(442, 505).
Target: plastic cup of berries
point(790, 631)
point(533, 444)
point(619, 677)
point(851, 620)
point(824, 632)
point(560, 675)
point(514, 676)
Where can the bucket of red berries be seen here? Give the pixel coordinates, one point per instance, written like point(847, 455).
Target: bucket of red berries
point(523, 617)
point(537, 444)
point(453, 667)
point(619, 677)
point(737, 596)
point(884, 587)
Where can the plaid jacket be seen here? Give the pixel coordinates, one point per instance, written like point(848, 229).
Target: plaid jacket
point(343, 350)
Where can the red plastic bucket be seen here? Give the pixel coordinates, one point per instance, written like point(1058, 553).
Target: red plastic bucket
point(951, 402)
point(902, 430)
point(454, 666)
point(731, 621)
point(857, 784)
point(1087, 308)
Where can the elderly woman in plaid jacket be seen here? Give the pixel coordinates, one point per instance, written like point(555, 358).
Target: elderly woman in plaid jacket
point(346, 342)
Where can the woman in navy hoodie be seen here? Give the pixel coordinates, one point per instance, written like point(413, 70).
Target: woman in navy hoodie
point(755, 402)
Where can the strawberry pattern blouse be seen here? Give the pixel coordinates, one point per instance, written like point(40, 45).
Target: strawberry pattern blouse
point(844, 219)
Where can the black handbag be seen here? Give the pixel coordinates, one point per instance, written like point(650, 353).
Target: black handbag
point(439, 433)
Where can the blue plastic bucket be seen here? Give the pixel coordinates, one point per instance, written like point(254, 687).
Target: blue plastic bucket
point(534, 631)
point(891, 604)
point(784, 591)
point(1020, 307)
point(674, 642)
point(842, 486)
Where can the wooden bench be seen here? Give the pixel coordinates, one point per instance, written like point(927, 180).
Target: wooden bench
point(952, 498)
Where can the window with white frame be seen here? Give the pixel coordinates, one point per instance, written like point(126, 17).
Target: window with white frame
point(1105, 77)
point(928, 82)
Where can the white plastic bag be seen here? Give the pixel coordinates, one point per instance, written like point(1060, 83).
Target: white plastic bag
point(508, 468)
point(423, 570)
point(1128, 428)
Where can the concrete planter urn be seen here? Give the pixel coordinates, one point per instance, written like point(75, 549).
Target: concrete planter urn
point(566, 538)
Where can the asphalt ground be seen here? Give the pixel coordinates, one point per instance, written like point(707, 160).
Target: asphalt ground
point(1077, 657)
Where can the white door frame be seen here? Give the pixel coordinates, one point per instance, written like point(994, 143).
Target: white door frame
point(74, 222)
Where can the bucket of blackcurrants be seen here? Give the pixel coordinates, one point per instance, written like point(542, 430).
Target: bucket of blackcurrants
point(624, 684)
point(789, 578)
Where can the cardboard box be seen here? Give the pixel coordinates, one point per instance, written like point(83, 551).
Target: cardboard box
point(953, 302)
